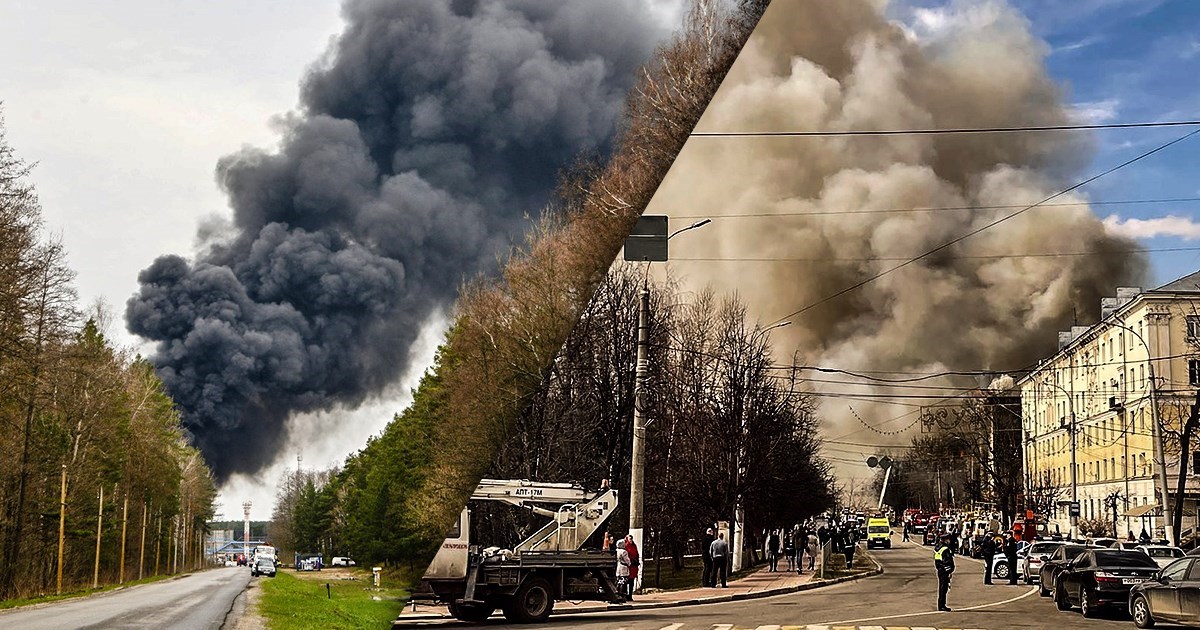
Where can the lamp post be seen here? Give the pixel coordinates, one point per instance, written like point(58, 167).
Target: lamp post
point(1074, 474)
point(638, 465)
point(1160, 461)
point(737, 530)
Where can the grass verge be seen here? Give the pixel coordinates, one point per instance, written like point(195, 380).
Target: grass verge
point(42, 599)
point(300, 601)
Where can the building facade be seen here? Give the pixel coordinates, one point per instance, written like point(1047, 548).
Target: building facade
point(1098, 389)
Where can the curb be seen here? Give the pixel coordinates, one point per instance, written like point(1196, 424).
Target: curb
point(716, 599)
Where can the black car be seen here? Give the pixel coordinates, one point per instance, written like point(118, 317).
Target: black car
point(1173, 595)
point(1053, 564)
point(1101, 577)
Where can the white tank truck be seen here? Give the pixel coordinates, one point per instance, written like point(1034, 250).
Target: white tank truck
point(524, 582)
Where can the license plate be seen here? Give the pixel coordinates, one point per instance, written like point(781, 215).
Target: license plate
point(1133, 580)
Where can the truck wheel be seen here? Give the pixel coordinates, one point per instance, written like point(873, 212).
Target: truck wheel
point(532, 602)
point(471, 612)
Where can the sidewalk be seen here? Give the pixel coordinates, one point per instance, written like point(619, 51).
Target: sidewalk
point(762, 583)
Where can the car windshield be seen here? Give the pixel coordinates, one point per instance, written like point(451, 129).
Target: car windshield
point(1043, 548)
point(878, 529)
point(1164, 552)
point(1116, 558)
point(1070, 551)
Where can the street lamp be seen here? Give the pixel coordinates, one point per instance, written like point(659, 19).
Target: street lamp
point(736, 534)
point(1074, 480)
point(1156, 431)
point(650, 230)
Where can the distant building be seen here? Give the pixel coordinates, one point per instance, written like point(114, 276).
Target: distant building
point(1098, 383)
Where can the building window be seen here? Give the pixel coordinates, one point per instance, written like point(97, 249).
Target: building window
point(1194, 371)
point(1193, 326)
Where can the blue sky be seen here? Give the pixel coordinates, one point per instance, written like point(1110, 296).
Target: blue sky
point(1125, 61)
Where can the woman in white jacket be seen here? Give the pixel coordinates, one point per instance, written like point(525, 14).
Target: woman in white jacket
point(623, 569)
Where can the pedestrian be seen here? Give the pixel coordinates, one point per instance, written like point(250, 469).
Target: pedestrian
point(988, 549)
point(822, 534)
point(773, 550)
point(1144, 537)
point(814, 547)
point(622, 569)
point(848, 550)
point(706, 555)
point(1010, 556)
point(720, 555)
point(905, 539)
point(943, 563)
point(608, 541)
point(789, 548)
point(635, 562)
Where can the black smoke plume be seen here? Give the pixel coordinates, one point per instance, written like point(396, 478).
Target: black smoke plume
point(423, 138)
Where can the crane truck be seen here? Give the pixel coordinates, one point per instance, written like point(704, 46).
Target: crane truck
point(524, 582)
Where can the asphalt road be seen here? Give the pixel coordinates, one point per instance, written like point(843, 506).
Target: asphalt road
point(198, 601)
point(905, 595)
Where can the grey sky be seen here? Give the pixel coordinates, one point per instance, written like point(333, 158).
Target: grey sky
point(126, 106)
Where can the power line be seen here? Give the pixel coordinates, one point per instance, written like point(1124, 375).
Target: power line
point(987, 226)
point(1072, 204)
point(834, 259)
point(957, 130)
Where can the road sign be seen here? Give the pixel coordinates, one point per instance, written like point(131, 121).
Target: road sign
point(1074, 508)
point(648, 240)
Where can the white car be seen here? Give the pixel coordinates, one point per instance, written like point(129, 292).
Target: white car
point(1162, 554)
point(1031, 568)
point(1000, 566)
point(340, 561)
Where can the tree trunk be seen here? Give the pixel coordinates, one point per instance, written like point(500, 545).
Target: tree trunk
point(1185, 441)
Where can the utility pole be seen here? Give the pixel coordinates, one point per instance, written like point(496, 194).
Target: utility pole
point(124, 527)
point(62, 528)
point(638, 470)
point(99, 524)
point(647, 242)
point(142, 546)
point(246, 522)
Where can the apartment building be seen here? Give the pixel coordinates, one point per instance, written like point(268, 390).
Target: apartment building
point(1099, 387)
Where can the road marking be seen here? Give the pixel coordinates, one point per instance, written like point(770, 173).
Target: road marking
point(674, 626)
point(722, 626)
point(1031, 591)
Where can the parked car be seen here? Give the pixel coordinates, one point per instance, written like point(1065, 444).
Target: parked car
point(1000, 568)
point(1101, 577)
point(1055, 563)
point(340, 561)
point(1037, 554)
point(1162, 554)
point(1125, 544)
point(1100, 542)
point(263, 566)
point(1173, 595)
point(231, 563)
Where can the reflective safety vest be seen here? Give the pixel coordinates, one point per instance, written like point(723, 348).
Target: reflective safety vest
point(937, 555)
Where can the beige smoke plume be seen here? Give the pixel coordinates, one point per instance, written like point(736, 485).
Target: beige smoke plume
point(844, 205)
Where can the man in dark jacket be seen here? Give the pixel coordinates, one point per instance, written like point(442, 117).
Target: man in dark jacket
point(706, 541)
point(989, 551)
point(943, 562)
point(1010, 556)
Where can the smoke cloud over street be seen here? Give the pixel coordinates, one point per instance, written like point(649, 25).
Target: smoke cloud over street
point(797, 219)
point(423, 140)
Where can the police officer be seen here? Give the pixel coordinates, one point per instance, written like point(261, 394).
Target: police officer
point(989, 551)
point(943, 561)
point(1010, 555)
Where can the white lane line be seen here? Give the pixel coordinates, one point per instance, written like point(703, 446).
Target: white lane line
point(722, 626)
point(1010, 600)
point(770, 627)
point(674, 626)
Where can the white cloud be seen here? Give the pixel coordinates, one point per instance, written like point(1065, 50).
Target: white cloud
point(1179, 227)
point(1090, 40)
point(1095, 112)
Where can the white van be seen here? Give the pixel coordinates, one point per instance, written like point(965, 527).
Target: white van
point(340, 561)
